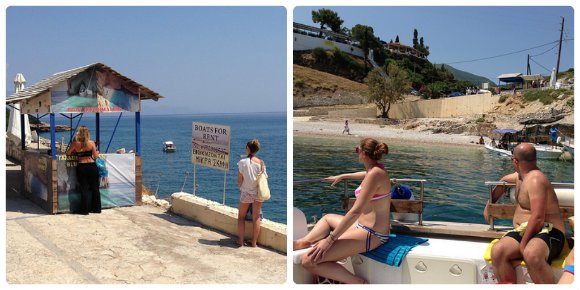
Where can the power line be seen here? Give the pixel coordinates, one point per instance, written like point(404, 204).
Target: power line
point(540, 65)
point(503, 54)
point(545, 51)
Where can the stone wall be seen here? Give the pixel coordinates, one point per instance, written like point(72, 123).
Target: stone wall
point(305, 42)
point(445, 108)
point(225, 218)
point(354, 113)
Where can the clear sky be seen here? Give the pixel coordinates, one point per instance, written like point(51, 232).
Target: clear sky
point(466, 33)
point(202, 59)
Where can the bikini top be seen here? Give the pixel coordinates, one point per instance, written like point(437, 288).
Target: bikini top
point(376, 195)
point(84, 153)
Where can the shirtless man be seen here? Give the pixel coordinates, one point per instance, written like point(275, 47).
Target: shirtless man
point(538, 235)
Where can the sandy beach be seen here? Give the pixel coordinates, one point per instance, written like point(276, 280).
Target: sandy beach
point(303, 126)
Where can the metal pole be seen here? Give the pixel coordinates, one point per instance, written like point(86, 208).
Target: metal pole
point(422, 196)
point(138, 133)
point(52, 136)
point(491, 221)
point(71, 126)
point(98, 130)
point(225, 172)
point(194, 179)
point(38, 133)
point(22, 131)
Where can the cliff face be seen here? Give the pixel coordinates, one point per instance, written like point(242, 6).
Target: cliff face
point(316, 88)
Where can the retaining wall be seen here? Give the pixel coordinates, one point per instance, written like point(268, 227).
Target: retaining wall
point(305, 42)
point(445, 108)
point(225, 218)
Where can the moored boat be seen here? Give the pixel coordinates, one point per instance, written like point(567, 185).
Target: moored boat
point(169, 146)
point(501, 152)
point(548, 152)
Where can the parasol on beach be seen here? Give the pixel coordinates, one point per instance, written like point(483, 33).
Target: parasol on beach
point(13, 131)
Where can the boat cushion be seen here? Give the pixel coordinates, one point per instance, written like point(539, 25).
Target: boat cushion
point(557, 263)
point(394, 251)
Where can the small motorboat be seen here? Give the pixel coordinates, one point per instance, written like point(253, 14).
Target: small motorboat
point(548, 152)
point(501, 152)
point(168, 147)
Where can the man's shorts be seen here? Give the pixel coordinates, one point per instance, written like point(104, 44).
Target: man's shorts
point(553, 237)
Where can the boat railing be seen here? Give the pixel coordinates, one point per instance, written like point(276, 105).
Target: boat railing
point(506, 211)
point(397, 205)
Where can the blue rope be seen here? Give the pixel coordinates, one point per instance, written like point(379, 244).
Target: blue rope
point(114, 130)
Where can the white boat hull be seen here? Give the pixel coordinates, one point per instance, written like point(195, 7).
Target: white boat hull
point(569, 148)
point(501, 152)
point(548, 152)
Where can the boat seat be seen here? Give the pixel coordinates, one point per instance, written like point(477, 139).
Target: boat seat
point(446, 261)
point(300, 224)
point(300, 229)
point(506, 211)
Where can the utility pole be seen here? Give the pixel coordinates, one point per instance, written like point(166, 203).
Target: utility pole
point(559, 49)
point(529, 70)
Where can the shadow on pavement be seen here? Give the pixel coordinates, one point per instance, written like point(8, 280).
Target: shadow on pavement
point(15, 201)
point(228, 243)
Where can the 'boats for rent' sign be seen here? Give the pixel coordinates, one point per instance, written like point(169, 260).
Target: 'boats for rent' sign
point(210, 145)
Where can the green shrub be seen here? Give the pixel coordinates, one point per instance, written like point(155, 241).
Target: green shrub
point(502, 98)
point(570, 102)
point(544, 96)
point(299, 83)
point(480, 120)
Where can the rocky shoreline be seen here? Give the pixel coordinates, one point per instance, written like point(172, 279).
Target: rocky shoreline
point(45, 127)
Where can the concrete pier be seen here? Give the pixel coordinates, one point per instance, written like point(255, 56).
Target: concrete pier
point(225, 218)
point(132, 245)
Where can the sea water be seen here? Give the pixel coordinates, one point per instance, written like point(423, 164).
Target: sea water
point(455, 189)
point(166, 173)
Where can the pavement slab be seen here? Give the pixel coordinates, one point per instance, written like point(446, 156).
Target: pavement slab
point(132, 245)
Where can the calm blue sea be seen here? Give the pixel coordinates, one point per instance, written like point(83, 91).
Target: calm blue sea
point(455, 190)
point(166, 173)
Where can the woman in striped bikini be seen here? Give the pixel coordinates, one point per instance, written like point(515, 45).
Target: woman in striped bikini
point(364, 227)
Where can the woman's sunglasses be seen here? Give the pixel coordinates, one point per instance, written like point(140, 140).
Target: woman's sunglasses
point(357, 150)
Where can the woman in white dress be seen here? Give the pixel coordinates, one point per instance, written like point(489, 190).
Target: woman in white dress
point(248, 170)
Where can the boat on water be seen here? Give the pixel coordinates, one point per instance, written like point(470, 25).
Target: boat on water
point(568, 145)
point(507, 142)
point(548, 152)
point(501, 152)
point(169, 146)
point(453, 253)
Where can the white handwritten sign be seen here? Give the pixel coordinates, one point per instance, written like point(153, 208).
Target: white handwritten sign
point(210, 145)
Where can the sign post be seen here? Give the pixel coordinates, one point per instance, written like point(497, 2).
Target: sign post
point(210, 146)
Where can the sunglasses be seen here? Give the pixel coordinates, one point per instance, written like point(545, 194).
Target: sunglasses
point(357, 149)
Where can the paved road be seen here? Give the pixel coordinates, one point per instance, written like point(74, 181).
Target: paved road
point(141, 244)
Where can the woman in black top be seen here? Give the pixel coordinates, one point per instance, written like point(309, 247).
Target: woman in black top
point(87, 172)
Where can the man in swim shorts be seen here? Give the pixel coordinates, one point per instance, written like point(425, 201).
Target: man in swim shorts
point(538, 235)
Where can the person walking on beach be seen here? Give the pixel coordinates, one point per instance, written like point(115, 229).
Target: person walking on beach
point(365, 226)
point(538, 235)
point(87, 172)
point(346, 129)
point(248, 170)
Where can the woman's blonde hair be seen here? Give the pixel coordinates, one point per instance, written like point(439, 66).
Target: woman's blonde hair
point(83, 136)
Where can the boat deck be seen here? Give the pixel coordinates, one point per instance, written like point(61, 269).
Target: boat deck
point(449, 229)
